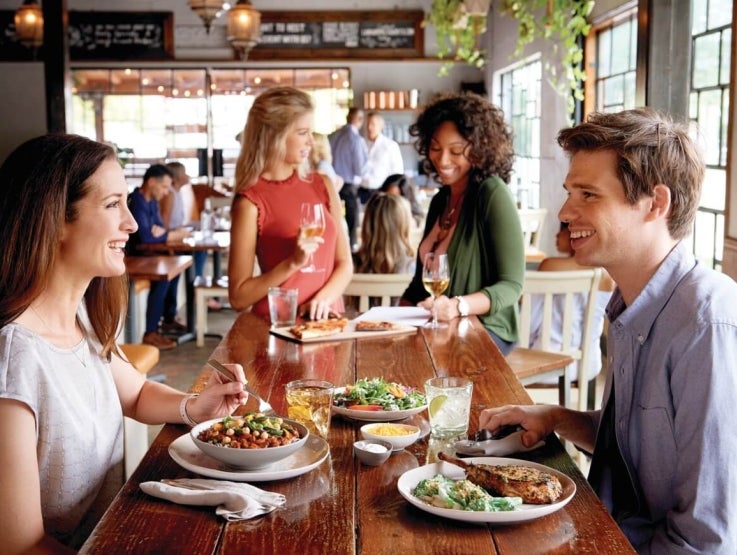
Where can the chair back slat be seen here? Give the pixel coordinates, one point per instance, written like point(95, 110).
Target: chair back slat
point(549, 286)
point(380, 286)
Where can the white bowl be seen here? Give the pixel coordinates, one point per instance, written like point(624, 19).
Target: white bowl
point(366, 450)
point(249, 459)
point(405, 434)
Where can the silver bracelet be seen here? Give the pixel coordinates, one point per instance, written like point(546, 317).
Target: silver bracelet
point(183, 410)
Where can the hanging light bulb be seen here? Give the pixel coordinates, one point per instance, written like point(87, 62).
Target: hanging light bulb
point(244, 27)
point(29, 24)
point(208, 10)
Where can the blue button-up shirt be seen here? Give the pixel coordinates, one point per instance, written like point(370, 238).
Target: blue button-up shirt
point(673, 368)
point(349, 154)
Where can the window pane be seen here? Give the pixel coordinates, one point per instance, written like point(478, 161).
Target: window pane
point(620, 56)
point(706, 61)
point(726, 50)
point(604, 53)
point(710, 118)
point(614, 91)
point(698, 16)
point(720, 13)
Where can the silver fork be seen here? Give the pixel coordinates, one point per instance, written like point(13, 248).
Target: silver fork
point(263, 405)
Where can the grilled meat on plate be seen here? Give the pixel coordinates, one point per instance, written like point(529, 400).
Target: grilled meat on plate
point(511, 480)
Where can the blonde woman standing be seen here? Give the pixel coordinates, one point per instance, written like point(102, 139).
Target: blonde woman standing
point(271, 185)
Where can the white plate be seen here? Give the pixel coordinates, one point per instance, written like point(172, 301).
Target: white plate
point(374, 416)
point(409, 480)
point(186, 454)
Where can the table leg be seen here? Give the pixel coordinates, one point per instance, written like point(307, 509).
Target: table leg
point(130, 330)
point(189, 288)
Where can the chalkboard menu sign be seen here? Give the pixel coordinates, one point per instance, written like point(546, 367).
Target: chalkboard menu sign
point(347, 34)
point(121, 35)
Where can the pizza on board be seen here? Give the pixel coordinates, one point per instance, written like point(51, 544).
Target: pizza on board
point(372, 325)
point(319, 328)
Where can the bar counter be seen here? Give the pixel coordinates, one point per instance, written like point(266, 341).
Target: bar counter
point(342, 506)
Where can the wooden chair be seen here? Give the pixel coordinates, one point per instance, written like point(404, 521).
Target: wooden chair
point(381, 286)
point(532, 220)
point(135, 434)
point(533, 365)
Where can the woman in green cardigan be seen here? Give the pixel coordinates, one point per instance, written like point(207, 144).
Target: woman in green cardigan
point(467, 147)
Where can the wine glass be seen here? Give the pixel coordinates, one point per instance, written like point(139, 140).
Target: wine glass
point(311, 224)
point(435, 279)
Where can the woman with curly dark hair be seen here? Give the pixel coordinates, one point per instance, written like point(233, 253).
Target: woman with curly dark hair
point(467, 147)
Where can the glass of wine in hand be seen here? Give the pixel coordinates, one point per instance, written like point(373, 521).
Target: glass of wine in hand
point(311, 224)
point(435, 278)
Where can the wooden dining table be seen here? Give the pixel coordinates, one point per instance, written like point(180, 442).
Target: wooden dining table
point(342, 506)
point(219, 244)
point(151, 268)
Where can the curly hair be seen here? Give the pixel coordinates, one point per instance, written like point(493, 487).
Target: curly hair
point(651, 149)
point(491, 148)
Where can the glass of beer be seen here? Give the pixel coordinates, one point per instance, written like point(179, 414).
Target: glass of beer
point(310, 402)
point(435, 279)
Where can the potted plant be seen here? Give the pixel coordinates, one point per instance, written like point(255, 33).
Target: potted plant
point(459, 24)
point(563, 24)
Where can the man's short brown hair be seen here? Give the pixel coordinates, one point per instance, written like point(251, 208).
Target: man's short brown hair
point(651, 149)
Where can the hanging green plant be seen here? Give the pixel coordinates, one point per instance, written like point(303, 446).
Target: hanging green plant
point(458, 33)
point(563, 24)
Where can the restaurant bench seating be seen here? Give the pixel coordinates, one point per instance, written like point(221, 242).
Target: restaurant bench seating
point(135, 434)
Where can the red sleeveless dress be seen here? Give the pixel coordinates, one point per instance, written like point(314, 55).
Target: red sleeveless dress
point(278, 204)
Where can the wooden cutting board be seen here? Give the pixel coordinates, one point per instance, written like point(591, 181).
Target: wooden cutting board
point(348, 333)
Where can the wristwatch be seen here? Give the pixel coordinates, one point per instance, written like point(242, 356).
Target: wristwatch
point(463, 308)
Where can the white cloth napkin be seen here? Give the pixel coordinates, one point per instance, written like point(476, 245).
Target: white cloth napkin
point(234, 501)
point(495, 447)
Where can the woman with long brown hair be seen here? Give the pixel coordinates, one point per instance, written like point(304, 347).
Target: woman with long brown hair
point(64, 386)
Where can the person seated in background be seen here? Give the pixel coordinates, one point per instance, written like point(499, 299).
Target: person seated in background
point(321, 160)
point(663, 442)
point(171, 207)
point(385, 244)
point(161, 305)
point(400, 184)
point(64, 383)
point(606, 286)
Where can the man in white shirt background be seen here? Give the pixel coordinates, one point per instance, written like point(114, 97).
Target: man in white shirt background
point(384, 157)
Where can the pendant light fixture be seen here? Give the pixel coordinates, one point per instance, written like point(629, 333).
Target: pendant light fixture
point(29, 24)
point(244, 27)
point(208, 10)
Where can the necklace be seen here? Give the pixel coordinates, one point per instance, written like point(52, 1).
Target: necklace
point(447, 220)
point(74, 350)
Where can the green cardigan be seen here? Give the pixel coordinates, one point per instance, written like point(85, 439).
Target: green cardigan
point(486, 253)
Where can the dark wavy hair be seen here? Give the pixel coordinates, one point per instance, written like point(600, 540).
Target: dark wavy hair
point(41, 183)
point(491, 149)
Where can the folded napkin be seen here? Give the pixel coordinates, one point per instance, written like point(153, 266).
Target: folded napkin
point(234, 501)
point(495, 447)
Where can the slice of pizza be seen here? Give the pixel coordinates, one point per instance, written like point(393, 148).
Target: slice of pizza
point(373, 325)
point(319, 328)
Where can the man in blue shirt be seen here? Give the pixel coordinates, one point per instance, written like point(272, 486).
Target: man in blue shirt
point(664, 442)
point(349, 158)
point(162, 296)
